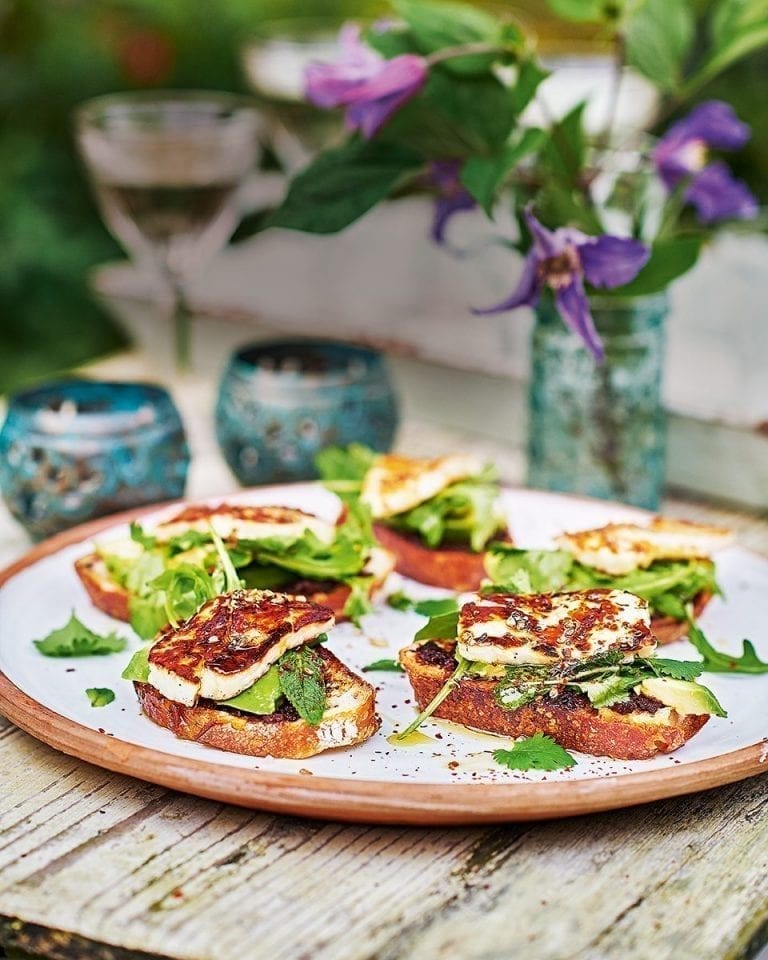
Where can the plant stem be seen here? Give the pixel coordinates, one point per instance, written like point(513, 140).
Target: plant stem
point(182, 318)
point(466, 50)
point(434, 703)
point(613, 103)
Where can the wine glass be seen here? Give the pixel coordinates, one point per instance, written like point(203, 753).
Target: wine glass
point(274, 62)
point(166, 167)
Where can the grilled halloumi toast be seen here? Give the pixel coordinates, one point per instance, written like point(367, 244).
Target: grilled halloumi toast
point(233, 522)
point(547, 628)
point(554, 630)
point(230, 642)
point(395, 484)
point(620, 548)
point(350, 718)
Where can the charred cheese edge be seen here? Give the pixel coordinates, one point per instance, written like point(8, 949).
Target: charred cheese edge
point(620, 548)
point(230, 643)
point(549, 628)
point(395, 484)
point(243, 522)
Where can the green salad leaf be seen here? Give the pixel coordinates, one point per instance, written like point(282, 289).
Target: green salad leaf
point(718, 661)
point(138, 666)
point(444, 626)
point(343, 469)
point(385, 666)
point(538, 752)
point(667, 585)
point(426, 608)
point(676, 669)
point(358, 603)
point(464, 512)
point(100, 696)
point(139, 535)
point(74, 639)
point(303, 683)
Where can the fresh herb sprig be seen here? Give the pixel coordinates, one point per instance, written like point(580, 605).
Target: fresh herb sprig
point(303, 684)
point(384, 666)
point(538, 752)
point(431, 607)
point(450, 685)
point(718, 661)
point(74, 639)
point(100, 696)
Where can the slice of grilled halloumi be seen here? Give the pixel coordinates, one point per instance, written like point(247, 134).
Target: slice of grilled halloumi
point(619, 548)
point(245, 522)
point(547, 628)
point(230, 642)
point(395, 484)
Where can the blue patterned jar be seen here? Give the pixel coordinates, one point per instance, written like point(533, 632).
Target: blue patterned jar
point(280, 402)
point(78, 449)
point(599, 429)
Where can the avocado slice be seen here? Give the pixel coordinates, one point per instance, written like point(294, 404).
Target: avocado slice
point(685, 696)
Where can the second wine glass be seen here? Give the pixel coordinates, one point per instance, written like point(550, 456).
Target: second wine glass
point(166, 167)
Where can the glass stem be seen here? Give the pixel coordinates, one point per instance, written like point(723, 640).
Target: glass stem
point(182, 320)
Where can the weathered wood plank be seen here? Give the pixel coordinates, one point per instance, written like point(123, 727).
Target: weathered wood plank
point(184, 877)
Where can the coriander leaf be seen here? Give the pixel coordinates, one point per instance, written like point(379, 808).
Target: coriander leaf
point(717, 661)
point(445, 626)
point(611, 689)
point(100, 696)
point(677, 669)
point(547, 571)
point(388, 666)
point(74, 639)
point(139, 536)
point(303, 683)
point(138, 666)
point(426, 608)
point(538, 752)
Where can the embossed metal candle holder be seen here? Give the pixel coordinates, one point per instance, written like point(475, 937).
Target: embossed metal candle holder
point(78, 449)
point(281, 401)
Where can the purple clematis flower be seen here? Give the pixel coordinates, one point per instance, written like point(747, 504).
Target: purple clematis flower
point(370, 87)
point(562, 260)
point(681, 154)
point(451, 195)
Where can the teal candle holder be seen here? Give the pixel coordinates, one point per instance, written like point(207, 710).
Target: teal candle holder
point(74, 450)
point(281, 402)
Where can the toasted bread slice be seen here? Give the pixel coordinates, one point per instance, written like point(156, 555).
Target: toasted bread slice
point(451, 566)
point(112, 599)
point(646, 729)
point(350, 718)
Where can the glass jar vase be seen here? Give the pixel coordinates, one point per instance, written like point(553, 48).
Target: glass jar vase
point(599, 429)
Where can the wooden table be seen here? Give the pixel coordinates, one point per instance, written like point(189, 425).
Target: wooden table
point(97, 865)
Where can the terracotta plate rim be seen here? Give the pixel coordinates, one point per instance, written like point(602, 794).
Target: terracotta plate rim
point(352, 799)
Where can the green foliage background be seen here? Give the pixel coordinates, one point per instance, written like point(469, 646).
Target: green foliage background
point(56, 53)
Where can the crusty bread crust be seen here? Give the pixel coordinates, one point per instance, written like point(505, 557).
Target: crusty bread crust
point(114, 600)
point(668, 630)
point(349, 719)
point(584, 728)
point(451, 566)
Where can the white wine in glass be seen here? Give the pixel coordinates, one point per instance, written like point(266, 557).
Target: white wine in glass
point(166, 167)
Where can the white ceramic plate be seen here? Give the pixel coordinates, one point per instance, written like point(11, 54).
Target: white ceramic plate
point(41, 596)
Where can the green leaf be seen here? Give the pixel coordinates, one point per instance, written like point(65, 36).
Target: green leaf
point(443, 627)
point(677, 669)
point(343, 469)
point(530, 74)
point(148, 615)
point(74, 639)
point(611, 689)
point(548, 571)
point(738, 28)
point(139, 536)
point(659, 37)
point(538, 752)
point(232, 581)
point(578, 11)
point(436, 25)
point(483, 176)
point(342, 184)
point(426, 608)
point(303, 683)
point(564, 152)
point(388, 666)
point(138, 666)
point(718, 661)
point(669, 260)
point(261, 697)
point(516, 691)
point(358, 603)
point(100, 696)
